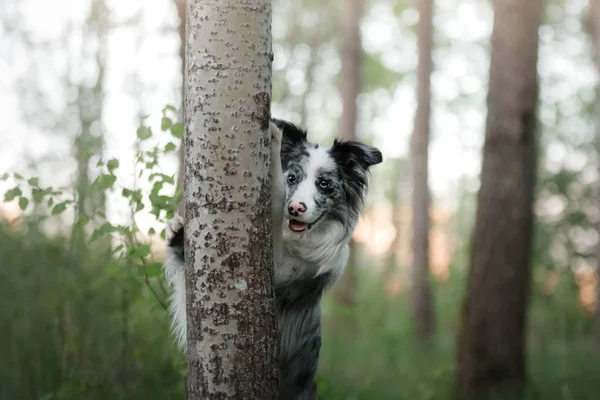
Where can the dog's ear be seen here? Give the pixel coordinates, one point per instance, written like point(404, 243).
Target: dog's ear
point(352, 153)
point(292, 135)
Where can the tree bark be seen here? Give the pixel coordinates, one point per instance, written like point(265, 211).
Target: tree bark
point(180, 5)
point(594, 18)
point(232, 351)
point(491, 342)
point(421, 296)
point(350, 82)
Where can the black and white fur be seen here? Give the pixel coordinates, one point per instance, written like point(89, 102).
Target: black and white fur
point(318, 194)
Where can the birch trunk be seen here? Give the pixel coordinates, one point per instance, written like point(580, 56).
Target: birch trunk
point(232, 351)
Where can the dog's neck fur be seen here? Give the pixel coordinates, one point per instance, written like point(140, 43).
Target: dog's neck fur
point(324, 250)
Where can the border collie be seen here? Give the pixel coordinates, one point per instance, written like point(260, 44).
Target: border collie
point(318, 194)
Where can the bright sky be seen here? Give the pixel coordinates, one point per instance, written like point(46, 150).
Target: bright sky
point(460, 79)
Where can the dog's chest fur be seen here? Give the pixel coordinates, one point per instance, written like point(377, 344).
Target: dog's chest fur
point(299, 286)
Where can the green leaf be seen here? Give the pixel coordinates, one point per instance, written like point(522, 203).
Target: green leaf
point(4, 176)
point(165, 123)
point(170, 147)
point(169, 107)
point(38, 195)
point(59, 208)
point(82, 220)
point(86, 155)
point(101, 231)
point(23, 203)
point(144, 132)
point(100, 163)
point(139, 206)
point(153, 269)
point(12, 193)
point(106, 181)
point(177, 130)
point(34, 181)
point(164, 179)
point(151, 231)
point(126, 192)
point(18, 177)
point(139, 251)
point(112, 164)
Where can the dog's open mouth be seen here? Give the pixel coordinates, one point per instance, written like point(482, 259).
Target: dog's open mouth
point(298, 226)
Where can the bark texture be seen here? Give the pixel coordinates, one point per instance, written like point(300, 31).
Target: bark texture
point(350, 82)
point(421, 296)
point(594, 18)
point(491, 345)
point(232, 351)
point(181, 9)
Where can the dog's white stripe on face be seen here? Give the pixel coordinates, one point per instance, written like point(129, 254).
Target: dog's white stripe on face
point(318, 160)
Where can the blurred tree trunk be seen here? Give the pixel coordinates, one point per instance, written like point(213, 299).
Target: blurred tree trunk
point(180, 4)
point(310, 69)
point(396, 198)
point(232, 347)
point(421, 296)
point(90, 106)
point(351, 52)
point(491, 346)
point(594, 19)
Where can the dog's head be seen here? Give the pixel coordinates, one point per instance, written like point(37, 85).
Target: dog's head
point(323, 183)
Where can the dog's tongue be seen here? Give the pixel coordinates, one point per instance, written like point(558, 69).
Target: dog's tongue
point(298, 226)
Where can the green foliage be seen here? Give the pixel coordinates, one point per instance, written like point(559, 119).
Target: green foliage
point(87, 319)
point(380, 360)
point(81, 325)
point(161, 204)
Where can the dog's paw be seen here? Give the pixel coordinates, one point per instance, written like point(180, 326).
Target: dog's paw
point(174, 231)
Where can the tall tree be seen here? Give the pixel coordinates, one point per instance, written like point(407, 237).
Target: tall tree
point(594, 18)
point(351, 52)
point(421, 296)
point(396, 194)
point(491, 342)
point(90, 106)
point(231, 331)
point(180, 5)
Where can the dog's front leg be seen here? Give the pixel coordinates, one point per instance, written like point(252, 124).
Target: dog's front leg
point(277, 193)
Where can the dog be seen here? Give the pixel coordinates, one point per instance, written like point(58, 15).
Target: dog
point(318, 193)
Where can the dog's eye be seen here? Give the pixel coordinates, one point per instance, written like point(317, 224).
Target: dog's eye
point(291, 178)
point(324, 184)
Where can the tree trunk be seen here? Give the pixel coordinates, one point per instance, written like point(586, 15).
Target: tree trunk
point(421, 296)
point(594, 18)
point(90, 105)
point(180, 4)
point(398, 189)
point(351, 51)
point(232, 351)
point(491, 342)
